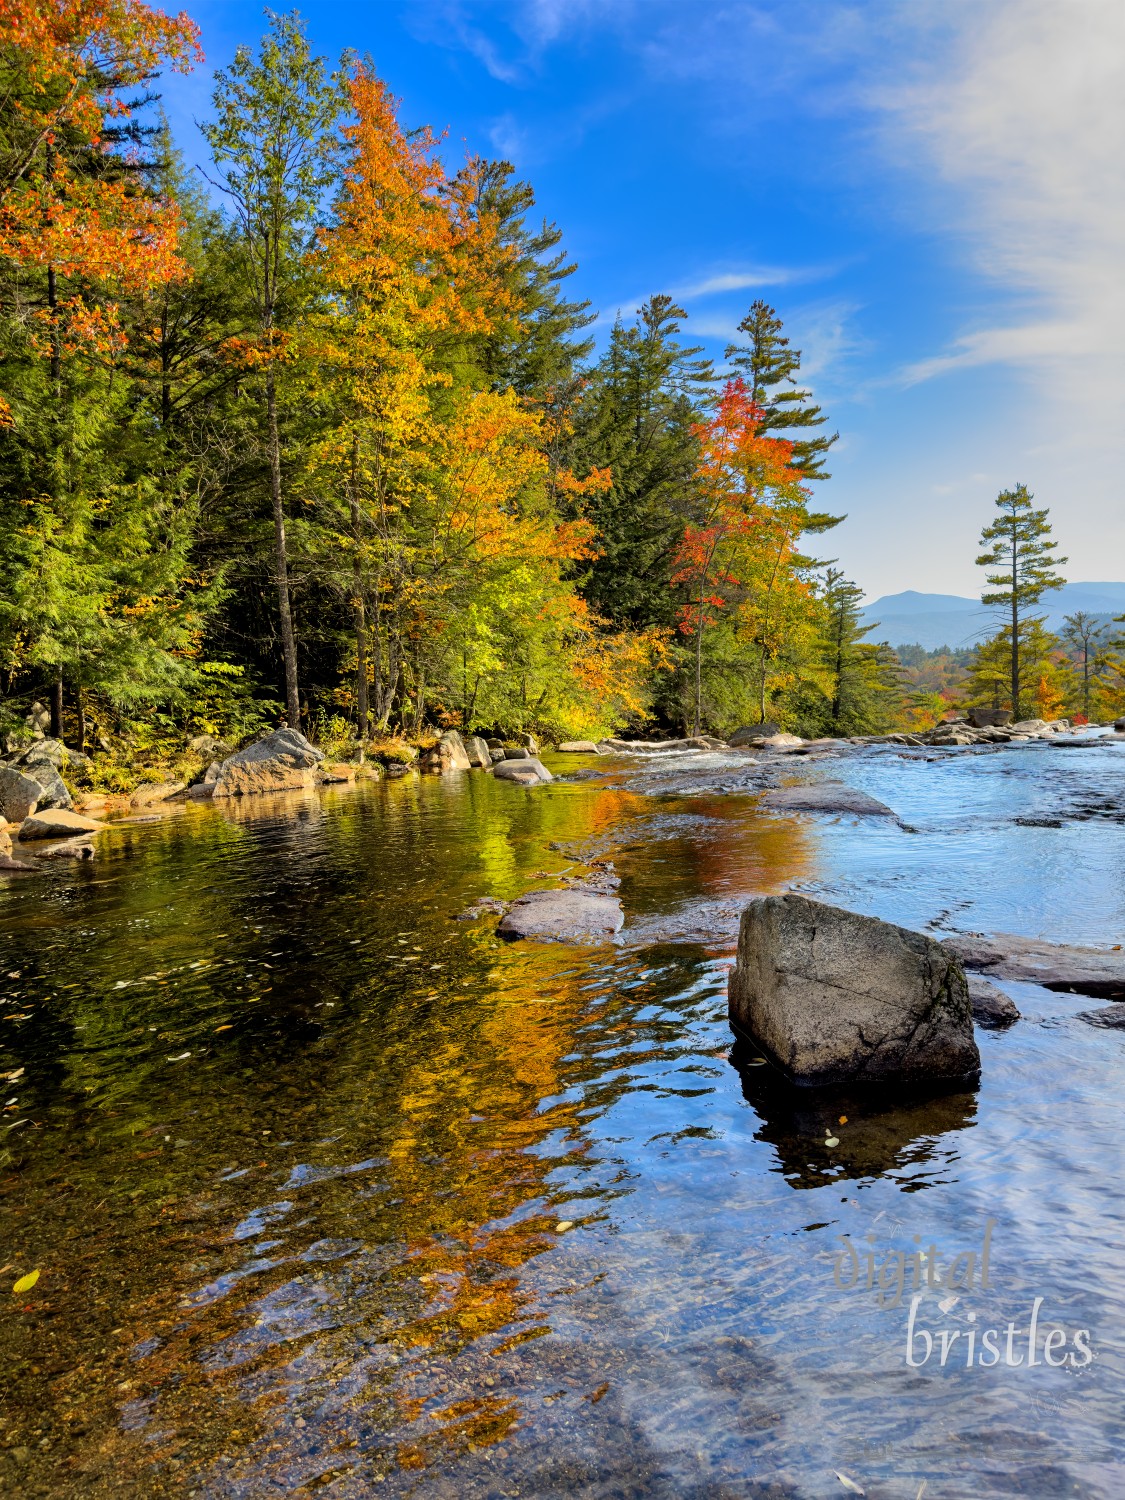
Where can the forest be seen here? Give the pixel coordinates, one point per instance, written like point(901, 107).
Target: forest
point(319, 434)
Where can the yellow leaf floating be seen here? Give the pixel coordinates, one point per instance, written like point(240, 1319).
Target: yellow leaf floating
point(25, 1283)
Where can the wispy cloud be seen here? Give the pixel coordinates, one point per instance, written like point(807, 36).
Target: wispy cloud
point(753, 277)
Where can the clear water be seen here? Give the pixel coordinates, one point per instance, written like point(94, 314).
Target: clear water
point(324, 1252)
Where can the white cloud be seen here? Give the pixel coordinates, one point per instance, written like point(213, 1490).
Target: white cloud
point(1023, 118)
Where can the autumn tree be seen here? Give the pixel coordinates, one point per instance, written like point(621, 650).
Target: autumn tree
point(748, 518)
point(89, 592)
point(1018, 546)
point(770, 366)
point(274, 144)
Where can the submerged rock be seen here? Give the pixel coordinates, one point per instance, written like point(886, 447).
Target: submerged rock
point(831, 995)
point(280, 761)
point(527, 771)
point(1056, 966)
point(57, 823)
point(570, 916)
point(826, 797)
point(991, 1007)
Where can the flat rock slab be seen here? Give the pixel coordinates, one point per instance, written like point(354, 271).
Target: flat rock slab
point(826, 797)
point(1110, 1017)
point(527, 771)
point(660, 747)
point(562, 917)
point(578, 747)
point(991, 1007)
point(832, 996)
point(57, 823)
point(1086, 971)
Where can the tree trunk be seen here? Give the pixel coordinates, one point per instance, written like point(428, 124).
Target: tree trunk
point(1015, 636)
point(285, 613)
point(698, 669)
point(80, 715)
point(57, 708)
point(360, 612)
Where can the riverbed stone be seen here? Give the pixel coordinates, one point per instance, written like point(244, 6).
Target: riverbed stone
point(526, 772)
point(571, 916)
point(578, 747)
point(516, 752)
point(152, 792)
point(1056, 966)
point(991, 1007)
point(825, 797)
point(19, 794)
point(57, 823)
point(280, 761)
point(9, 865)
point(832, 995)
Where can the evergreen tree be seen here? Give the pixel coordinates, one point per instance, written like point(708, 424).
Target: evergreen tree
point(1017, 545)
point(638, 420)
point(861, 679)
point(770, 367)
point(1086, 636)
point(275, 146)
point(538, 349)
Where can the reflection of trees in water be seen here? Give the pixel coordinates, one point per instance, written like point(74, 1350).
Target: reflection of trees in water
point(883, 1134)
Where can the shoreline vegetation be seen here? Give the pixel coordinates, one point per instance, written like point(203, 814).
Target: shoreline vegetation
point(316, 434)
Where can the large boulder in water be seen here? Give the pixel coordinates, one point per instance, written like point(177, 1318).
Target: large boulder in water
point(754, 734)
point(19, 794)
point(449, 754)
point(281, 761)
point(478, 752)
point(832, 996)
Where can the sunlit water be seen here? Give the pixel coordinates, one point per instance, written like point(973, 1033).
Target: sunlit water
point(332, 1193)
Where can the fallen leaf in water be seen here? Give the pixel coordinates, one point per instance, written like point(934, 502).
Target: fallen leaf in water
point(831, 1140)
point(849, 1484)
point(843, 1120)
point(25, 1283)
point(179, 1057)
point(596, 1396)
point(563, 1225)
point(11, 1077)
point(227, 1027)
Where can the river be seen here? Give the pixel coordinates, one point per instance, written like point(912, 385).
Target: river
point(333, 1193)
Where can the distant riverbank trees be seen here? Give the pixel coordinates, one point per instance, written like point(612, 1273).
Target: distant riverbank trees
point(324, 438)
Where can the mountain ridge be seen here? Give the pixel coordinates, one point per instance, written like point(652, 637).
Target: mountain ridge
point(932, 620)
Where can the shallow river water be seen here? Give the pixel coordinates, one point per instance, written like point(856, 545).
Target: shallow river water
point(332, 1193)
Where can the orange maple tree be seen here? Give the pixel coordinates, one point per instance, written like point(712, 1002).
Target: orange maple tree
point(70, 202)
point(750, 503)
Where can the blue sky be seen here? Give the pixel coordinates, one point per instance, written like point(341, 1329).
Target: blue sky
point(930, 194)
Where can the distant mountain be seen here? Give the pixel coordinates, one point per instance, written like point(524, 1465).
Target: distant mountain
point(933, 620)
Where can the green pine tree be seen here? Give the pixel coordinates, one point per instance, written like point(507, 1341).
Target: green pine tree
point(769, 367)
point(1018, 546)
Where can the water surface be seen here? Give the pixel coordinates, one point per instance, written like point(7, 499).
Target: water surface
point(333, 1193)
